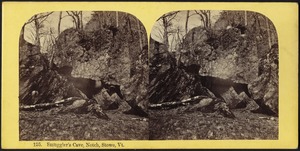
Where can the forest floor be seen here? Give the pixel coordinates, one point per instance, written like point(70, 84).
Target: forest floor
point(51, 125)
point(173, 124)
point(177, 124)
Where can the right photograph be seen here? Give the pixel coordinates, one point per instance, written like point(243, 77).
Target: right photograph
point(213, 76)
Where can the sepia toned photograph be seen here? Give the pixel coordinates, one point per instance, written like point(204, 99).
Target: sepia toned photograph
point(213, 75)
point(149, 75)
point(83, 75)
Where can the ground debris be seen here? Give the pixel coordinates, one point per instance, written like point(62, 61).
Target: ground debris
point(51, 125)
point(175, 123)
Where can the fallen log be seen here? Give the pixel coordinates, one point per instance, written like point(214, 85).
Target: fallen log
point(47, 105)
point(201, 103)
point(178, 103)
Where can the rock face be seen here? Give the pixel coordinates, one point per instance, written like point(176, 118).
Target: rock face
point(226, 54)
point(265, 88)
point(169, 82)
point(81, 51)
point(39, 83)
point(175, 85)
point(46, 86)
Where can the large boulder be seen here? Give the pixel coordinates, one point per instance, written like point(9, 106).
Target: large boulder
point(226, 54)
point(170, 82)
point(46, 86)
point(114, 55)
point(38, 82)
point(232, 98)
point(236, 54)
point(235, 100)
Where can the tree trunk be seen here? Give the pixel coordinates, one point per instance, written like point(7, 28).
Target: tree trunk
point(209, 16)
point(175, 104)
point(78, 22)
point(37, 31)
point(172, 41)
point(273, 34)
point(99, 20)
point(268, 31)
point(201, 101)
point(47, 105)
point(245, 18)
point(51, 63)
point(139, 33)
point(81, 21)
point(21, 38)
point(129, 27)
point(117, 19)
point(178, 37)
point(165, 38)
point(179, 59)
point(59, 21)
point(259, 25)
point(206, 19)
point(187, 21)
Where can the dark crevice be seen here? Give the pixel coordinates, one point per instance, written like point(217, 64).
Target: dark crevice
point(219, 86)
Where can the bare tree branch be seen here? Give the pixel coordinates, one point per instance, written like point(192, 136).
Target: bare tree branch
point(167, 15)
point(40, 17)
point(74, 19)
point(170, 19)
point(205, 17)
point(77, 18)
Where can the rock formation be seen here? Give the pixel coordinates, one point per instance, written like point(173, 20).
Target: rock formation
point(105, 63)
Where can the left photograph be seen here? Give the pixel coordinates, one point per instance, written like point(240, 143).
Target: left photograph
point(83, 75)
